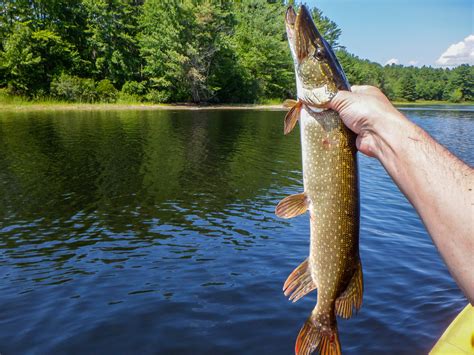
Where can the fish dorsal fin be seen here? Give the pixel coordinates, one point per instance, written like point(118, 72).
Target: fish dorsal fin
point(292, 117)
point(292, 206)
point(299, 283)
point(352, 296)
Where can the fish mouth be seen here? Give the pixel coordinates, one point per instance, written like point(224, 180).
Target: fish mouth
point(291, 16)
point(290, 21)
point(303, 36)
point(318, 73)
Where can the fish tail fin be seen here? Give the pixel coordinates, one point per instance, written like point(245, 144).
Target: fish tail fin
point(315, 336)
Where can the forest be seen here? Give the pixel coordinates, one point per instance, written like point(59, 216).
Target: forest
point(167, 51)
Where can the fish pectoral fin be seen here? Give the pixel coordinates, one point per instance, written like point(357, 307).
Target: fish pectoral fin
point(299, 283)
point(292, 117)
point(352, 296)
point(316, 336)
point(289, 103)
point(292, 206)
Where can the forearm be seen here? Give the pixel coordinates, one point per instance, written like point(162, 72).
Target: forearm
point(438, 185)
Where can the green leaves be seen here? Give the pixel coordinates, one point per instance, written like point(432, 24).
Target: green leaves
point(161, 43)
point(106, 91)
point(263, 60)
point(461, 84)
point(411, 83)
point(408, 88)
point(182, 50)
point(111, 27)
point(74, 89)
point(327, 28)
point(31, 58)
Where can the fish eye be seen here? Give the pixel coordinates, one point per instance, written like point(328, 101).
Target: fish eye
point(319, 53)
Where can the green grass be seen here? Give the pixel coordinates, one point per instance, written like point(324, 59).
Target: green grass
point(18, 103)
point(13, 103)
point(14, 100)
point(52, 105)
point(271, 102)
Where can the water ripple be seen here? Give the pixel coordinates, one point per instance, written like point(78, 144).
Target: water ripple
point(155, 232)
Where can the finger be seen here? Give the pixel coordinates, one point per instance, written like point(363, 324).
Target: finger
point(363, 89)
point(364, 144)
point(339, 100)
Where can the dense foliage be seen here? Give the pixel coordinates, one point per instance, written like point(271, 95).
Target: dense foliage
point(411, 83)
point(180, 50)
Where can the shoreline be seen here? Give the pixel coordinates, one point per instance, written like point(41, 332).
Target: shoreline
point(25, 107)
point(138, 107)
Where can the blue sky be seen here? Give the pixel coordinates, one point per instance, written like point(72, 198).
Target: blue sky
point(409, 31)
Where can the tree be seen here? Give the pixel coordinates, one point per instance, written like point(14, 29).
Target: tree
point(328, 29)
point(262, 56)
point(32, 58)
point(183, 50)
point(111, 31)
point(162, 47)
point(211, 26)
point(408, 88)
point(460, 86)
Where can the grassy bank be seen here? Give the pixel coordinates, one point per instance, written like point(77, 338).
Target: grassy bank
point(67, 106)
point(19, 104)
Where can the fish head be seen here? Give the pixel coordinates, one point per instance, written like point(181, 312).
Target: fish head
point(319, 75)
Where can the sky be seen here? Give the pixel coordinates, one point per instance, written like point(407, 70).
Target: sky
point(437, 33)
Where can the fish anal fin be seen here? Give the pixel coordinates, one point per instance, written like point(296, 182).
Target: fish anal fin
point(299, 283)
point(292, 206)
point(352, 297)
point(314, 336)
point(292, 117)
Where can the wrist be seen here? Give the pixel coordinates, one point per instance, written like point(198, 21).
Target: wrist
point(390, 134)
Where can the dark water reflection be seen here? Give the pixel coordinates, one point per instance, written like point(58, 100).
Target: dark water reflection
point(154, 232)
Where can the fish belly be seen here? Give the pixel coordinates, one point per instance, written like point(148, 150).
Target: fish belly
point(331, 185)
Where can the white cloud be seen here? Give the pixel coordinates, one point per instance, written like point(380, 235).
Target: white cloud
point(392, 61)
point(458, 53)
point(413, 62)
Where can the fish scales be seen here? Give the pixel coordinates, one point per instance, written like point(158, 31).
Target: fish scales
point(331, 190)
point(330, 182)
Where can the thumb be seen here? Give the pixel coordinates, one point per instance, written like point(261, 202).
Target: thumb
point(340, 101)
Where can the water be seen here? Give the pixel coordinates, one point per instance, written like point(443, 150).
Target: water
point(154, 232)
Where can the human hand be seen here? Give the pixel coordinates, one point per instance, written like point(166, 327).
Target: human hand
point(368, 113)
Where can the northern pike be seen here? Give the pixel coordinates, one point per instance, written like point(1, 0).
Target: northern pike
point(331, 190)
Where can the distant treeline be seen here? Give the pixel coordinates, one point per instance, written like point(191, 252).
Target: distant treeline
point(180, 51)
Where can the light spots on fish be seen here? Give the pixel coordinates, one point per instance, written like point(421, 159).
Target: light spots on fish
point(330, 182)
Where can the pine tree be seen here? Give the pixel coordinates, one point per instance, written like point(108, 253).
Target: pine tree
point(111, 27)
point(408, 88)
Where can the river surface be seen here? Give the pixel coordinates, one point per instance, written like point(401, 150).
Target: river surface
point(153, 232)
